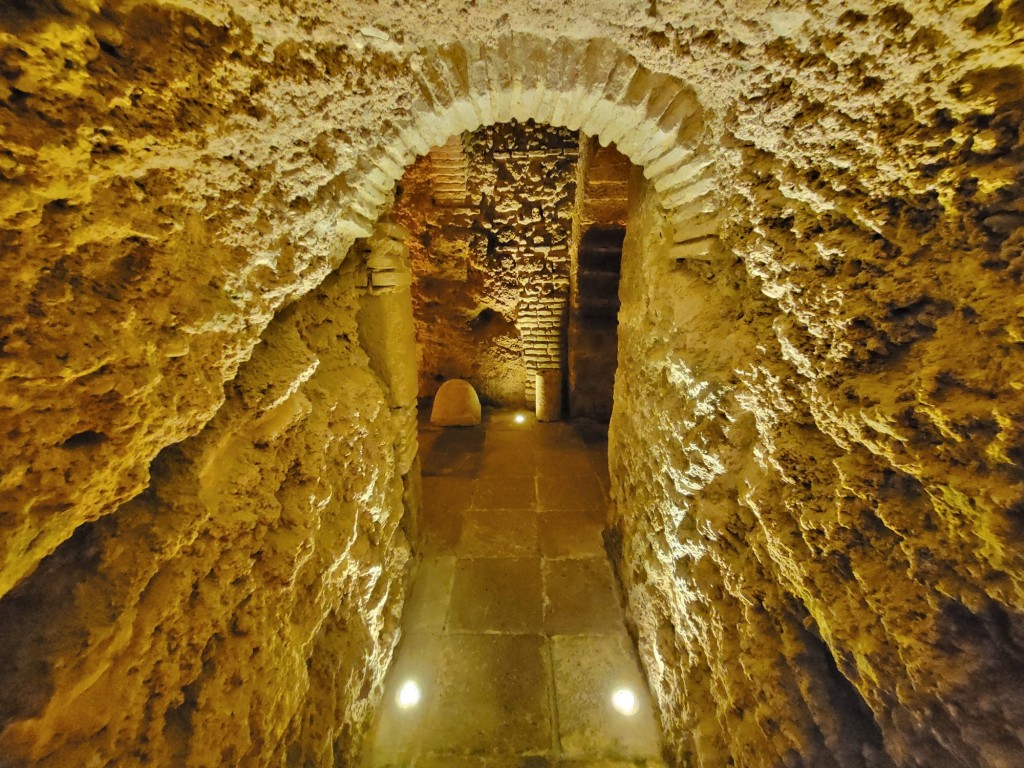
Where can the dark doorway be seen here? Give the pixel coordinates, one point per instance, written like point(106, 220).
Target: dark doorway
point(593, 323)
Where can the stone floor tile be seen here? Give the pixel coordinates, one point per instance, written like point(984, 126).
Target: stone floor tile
point(559, 436)
point(571, 534)
point(425, 442)
point(580, 597)
point(519, 440)
point(397, 732)
point(444, 494)
point(440, 534)
point(427, 606)
point(508, 462)
point(499, 533)
point(588, 670)
point(604, 483)
point(504, 493)
point(456, 451)
point(500, 761)
point(441, 538)
point(492, 698)
point(444, 499)
point(496, 595)
point(451, 464)
point(599, 461)
point(576, 463)
point(566, 492)
point(504, 419)
point(592, 433)
point(461, 439)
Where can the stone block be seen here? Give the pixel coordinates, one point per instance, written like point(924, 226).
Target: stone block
point(549, 395)
point(701, 225)
point(456, 404)
point(708, 248)
point(387, 336)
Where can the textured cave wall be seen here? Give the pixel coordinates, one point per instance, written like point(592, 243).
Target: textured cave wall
point(241, 611)
point(836, 515)
point(814, 449)
point(738, 667)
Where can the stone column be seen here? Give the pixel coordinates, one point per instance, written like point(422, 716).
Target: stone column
point(549, 395)
point(386, 330)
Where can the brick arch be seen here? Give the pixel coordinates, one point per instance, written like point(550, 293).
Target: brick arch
point(593, 86)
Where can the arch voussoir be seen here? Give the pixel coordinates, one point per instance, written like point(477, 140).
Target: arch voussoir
point(688, 192)
point(593, 86)
point(682, 175)
point(499, 76)
point(604, 109)
point(447, 69)
point(643, 88)
point(558, 75)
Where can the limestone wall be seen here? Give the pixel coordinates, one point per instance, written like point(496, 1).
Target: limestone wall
point(818, 451)
point(525, 178)
point(817, 565)
point(706, 539)
point(242, 610)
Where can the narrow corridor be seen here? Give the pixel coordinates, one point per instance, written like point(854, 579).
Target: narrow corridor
point(514, 650)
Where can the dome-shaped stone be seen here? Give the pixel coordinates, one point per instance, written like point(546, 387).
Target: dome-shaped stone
point(456, 405)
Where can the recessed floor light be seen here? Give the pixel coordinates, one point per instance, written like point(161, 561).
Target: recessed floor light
point(408, 695)
point(625, 702)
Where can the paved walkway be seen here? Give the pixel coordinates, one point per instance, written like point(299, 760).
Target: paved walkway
point(513, 637)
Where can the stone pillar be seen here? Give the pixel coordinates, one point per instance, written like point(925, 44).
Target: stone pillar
point(386, 331)
point(549, 395)
point(541, 322)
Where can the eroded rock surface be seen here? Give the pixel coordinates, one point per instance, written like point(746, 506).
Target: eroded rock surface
point(817, 442)
point(243, 609)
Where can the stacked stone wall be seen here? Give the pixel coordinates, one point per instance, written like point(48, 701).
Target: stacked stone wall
point(464, 301)
point(525, 176)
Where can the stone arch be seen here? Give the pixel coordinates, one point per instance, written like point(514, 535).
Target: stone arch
point(593, 86)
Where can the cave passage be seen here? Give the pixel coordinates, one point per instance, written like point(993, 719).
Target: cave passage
point(514, 643)
point(243, 238)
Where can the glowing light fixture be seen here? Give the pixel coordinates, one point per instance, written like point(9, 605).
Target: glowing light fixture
point(520, 419)
point(408, 695)
point(625, 702)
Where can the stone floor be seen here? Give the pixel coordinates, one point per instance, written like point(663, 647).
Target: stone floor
point(514, 634)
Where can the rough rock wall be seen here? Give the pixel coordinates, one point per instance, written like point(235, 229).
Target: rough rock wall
point(175, 174)
point(740, 670)
point(813, 468)
point(464, 306)
point(241, 611)
point(525, 177)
